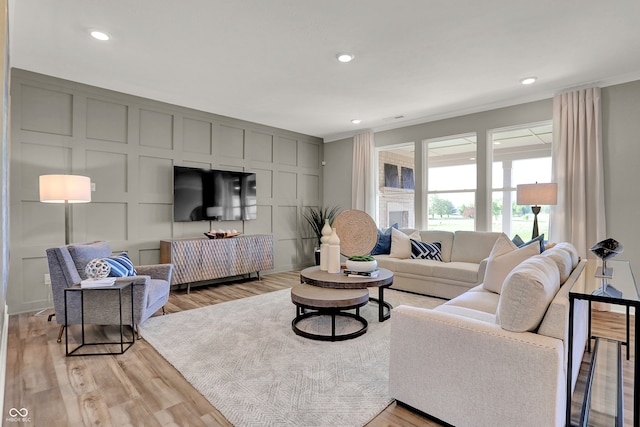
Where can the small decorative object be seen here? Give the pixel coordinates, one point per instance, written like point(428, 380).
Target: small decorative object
point(333, 265)
point(362, 264)
point(221, 234)
point(324, 245)
point(97, 268)
point(604, 250)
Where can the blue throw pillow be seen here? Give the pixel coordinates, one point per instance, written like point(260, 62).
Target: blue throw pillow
point(539, 239)
point(383, 247)
point(121, 266)
point(517, 240)
point(426, 250)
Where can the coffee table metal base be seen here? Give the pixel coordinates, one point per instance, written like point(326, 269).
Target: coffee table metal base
point(328, 302)
point(333, 313)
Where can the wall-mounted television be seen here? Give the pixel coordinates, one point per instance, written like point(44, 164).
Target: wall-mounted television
point(213, 195)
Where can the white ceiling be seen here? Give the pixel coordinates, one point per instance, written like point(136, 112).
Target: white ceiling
point(273, 62)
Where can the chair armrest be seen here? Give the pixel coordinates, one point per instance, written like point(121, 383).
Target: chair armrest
point(439, 360)
point(156, 271)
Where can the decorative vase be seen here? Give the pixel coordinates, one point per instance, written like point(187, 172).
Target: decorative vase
point(324, 245)
point(333, 265)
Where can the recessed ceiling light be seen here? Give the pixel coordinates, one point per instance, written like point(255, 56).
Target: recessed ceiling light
point(356, 121)
point(99, 35)
point(528, 80)
point(345, 57)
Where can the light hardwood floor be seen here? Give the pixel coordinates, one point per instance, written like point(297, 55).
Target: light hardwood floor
point(140, 387)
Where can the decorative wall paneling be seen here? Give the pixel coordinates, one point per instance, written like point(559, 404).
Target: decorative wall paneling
point(128, 146)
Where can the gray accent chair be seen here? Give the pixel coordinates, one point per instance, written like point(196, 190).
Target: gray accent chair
point(66, 266)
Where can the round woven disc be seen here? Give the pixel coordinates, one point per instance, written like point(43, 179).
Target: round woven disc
point(357, 231)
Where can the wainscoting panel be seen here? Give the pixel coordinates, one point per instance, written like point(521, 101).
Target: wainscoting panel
point(128, 146)
point(107, 121)
point(196, 136)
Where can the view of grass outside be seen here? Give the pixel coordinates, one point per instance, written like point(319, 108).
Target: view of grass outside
point(521, 222)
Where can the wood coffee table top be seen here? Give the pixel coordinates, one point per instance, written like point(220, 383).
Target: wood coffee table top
point(316, 277)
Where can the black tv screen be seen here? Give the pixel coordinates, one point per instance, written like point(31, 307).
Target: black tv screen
point(213, 195)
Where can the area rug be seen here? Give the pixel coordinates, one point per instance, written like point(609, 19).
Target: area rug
point(245, 359)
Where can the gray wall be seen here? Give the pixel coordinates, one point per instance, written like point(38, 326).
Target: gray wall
point(621, 140)
point(128, 145)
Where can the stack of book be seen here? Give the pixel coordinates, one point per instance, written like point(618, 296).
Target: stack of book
point(352, 273)
point(98, 283)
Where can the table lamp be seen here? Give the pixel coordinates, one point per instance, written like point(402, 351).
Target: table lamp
point(536, 195)
point(65, 189)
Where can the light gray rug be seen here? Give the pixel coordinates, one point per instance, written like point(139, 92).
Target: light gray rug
point(245, 359)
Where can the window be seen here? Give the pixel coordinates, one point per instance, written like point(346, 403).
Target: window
point(395, 189)
point(521, 155)
point(451, 182)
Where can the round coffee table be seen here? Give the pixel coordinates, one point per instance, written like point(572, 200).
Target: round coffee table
point(316, 277)
point(332, 302)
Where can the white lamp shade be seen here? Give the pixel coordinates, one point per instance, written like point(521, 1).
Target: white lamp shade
point(537, 194)
point(65, 188)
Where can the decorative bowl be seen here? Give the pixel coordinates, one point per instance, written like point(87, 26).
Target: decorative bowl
point(362, 266)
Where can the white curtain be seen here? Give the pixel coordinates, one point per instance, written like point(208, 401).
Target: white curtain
point(579, 216)
point(362, 187)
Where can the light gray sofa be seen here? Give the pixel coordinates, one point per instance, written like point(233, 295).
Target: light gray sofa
point(464, 258)
point(151, 287)
point(494, 359)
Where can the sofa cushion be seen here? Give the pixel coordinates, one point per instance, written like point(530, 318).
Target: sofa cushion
point(566, 246)
point(401, 243)
point(459, 271)
point(504, 257)
point(472, 246)
point(82, 253)
point(418, 267)
point(563, 260)
point(484, 301)
point(426, 250)
point(467, 312)
point(383, 246)
point(527, 293)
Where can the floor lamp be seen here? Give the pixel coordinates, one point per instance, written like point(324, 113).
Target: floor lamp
point(65, 189)
point(536, 195)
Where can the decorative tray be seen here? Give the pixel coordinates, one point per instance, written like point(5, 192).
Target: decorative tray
point(219, 235)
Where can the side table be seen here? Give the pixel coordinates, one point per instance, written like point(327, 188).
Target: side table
point(117, 288)
point(624, 293)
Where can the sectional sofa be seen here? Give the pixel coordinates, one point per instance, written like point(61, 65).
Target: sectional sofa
point(497, 353)
point(463, 260)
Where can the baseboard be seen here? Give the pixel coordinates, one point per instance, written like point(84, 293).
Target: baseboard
point(4, 341)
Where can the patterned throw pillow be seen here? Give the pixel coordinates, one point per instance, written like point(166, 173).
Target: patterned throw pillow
point(121, 266)
point(426, 250)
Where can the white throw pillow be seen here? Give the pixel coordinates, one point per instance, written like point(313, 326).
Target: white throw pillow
point(504, 257)
point(401, 243)
point(527, 293)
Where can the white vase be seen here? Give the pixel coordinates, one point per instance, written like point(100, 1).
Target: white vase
point(333, 265)
point(324, 245)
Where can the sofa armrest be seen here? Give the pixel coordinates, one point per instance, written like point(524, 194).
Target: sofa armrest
point(156, 271)
point(481, 269)
point(440, 360)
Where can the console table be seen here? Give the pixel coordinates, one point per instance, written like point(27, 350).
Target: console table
point(624, 293)
point(199, 259)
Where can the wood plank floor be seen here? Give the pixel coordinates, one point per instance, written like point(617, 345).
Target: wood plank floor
point(141, 388)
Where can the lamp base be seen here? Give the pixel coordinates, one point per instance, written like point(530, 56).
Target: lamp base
point(536, 211)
